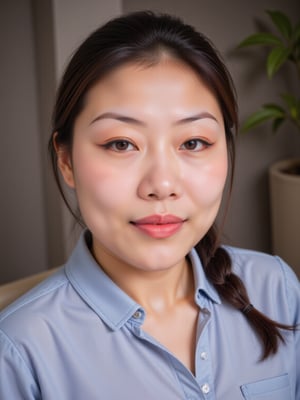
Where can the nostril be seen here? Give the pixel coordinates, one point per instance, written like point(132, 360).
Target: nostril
point(158, 196)
point(159, 189)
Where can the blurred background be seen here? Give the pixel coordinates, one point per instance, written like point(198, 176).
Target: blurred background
point(37, 38)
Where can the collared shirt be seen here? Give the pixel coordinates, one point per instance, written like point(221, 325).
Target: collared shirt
point(78, 336)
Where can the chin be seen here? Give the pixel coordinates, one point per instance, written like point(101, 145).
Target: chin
point(162, 259)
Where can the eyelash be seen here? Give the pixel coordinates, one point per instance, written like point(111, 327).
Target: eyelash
point(204, 144)
point(112, 145)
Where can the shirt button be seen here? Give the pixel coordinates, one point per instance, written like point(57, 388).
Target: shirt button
point(205, 388)
point(137, 315)
point(203, 355)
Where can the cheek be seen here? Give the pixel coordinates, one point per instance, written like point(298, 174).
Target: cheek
point(207, 183)
point(99, 185)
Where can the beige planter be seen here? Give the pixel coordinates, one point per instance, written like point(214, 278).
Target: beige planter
point(285, 213)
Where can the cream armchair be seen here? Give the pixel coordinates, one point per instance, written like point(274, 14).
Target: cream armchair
point(11, 291)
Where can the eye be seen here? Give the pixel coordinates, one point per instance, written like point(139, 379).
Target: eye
point(195, 145)
point(119, 145)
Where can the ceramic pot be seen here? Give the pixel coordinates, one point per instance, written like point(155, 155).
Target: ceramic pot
point(285, 211)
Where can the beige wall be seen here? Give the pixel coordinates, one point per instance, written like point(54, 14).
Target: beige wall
point(22, 221)
point(37, 38)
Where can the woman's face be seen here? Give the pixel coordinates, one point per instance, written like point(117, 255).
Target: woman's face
point(148, 164)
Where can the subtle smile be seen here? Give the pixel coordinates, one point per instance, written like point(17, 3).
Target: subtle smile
point(159, 226)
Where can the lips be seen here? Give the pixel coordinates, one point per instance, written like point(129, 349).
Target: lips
point(159, 220)
point(159, 226)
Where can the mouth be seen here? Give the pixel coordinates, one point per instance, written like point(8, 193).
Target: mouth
point(159, 226)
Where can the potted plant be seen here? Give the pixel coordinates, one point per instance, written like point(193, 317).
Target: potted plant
point(283, 48)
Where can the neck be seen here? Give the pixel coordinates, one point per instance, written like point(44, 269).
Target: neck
point(157, 291)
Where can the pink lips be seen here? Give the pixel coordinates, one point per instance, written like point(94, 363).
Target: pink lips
point(159, 226)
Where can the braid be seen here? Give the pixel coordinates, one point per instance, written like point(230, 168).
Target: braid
point(218, 269)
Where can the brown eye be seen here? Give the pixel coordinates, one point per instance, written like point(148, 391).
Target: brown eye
point(191, 144)
point(195, 145)
point(119, 145)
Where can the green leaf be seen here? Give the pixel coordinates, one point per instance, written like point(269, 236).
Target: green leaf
point(272, 107)
point(290, 100)
point(282, 22)
point(294, 111)
point(260, 39)
point(269, 111)
point(276, 58)
point(277, 123)
point(293, 105)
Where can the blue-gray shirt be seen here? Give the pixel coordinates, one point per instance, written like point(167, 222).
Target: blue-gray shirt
point(77, 336)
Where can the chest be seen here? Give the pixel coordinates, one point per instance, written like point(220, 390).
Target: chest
point(176, 331)
point(122, 364)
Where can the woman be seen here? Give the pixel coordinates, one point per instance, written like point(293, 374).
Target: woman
point(149, 305)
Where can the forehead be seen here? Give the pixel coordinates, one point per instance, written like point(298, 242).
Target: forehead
point(168, 83)
point(165, 70)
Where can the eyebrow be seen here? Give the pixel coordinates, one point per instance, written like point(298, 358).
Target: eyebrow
point(118, 117)
point(134, 121)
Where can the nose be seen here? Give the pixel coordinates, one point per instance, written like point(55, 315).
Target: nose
point(161, 179)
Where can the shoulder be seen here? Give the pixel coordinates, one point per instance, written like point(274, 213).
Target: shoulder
point(250, 261)
point(26, 329)
point(269, 280)
point(36, 302)
point(28, 322)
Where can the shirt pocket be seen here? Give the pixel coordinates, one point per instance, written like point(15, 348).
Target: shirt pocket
point(277, 388)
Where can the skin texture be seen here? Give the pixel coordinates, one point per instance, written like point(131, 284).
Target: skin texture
point(150, 141)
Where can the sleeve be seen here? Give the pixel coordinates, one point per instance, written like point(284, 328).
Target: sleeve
point(293, 296)
point(16, 379)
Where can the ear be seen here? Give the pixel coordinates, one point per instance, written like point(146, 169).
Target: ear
point(64, 162)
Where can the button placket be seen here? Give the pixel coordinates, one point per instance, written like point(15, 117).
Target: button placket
point(203, 366)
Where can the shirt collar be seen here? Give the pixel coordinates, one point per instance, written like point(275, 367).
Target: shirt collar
point(202, 284)
point(111, 303)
